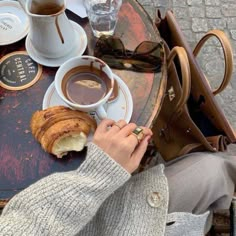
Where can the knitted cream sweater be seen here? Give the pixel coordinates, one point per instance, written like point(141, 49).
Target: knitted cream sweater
point(97, 199)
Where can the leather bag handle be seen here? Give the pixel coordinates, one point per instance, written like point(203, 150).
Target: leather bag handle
point(185, 73)
point(228, 55)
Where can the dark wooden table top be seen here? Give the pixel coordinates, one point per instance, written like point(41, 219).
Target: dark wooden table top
point(22, 160)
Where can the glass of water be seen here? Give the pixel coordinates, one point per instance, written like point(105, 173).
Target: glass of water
point(103, 15)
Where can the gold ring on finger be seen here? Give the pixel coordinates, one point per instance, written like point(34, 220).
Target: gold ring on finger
point(117, 125)
point(138, 133)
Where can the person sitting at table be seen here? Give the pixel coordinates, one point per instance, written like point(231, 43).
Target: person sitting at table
point(102, 198)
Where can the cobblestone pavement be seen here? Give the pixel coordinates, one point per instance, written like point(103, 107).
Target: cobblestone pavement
point(195, 18)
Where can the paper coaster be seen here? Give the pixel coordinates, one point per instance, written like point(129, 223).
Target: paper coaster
point(18, 71)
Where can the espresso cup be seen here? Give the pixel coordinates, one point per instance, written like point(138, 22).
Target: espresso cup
point(85, 83)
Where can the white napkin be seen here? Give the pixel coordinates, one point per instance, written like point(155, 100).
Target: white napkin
point(77, 7)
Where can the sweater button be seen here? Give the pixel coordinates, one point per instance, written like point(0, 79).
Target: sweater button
point(154, 199)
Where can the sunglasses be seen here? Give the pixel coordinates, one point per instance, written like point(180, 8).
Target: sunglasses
point(147, 57)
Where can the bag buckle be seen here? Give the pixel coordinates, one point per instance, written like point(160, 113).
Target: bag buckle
point(171, 93)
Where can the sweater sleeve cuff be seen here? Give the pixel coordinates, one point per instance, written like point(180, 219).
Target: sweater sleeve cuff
point(103, 169)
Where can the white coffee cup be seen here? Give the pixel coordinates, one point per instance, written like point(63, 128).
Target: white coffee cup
point(85, 83)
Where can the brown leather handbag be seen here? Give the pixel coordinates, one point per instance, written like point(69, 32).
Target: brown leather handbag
point(190, 119)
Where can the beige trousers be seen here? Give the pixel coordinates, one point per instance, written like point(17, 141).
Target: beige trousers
point(201, 181)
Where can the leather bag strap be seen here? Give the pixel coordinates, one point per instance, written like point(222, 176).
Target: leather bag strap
point(228, 55)
point(185, 74)
point(218, 143)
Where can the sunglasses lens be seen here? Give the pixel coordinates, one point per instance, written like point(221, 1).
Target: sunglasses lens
point(109, 45)
point(151, 54)
point(147, 48)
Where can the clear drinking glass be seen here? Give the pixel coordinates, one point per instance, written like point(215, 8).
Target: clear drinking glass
point(102, 15)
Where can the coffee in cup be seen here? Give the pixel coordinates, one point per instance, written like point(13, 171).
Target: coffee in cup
point(48, 8)
point(85, 83)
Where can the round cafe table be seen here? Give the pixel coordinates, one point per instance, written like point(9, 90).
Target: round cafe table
point(22, 160)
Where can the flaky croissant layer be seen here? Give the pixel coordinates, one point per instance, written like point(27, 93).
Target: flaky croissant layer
point(60, 129)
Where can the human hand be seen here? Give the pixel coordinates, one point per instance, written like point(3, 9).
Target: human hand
point(120, 143)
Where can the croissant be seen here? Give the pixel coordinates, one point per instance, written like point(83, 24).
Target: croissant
point(60, 129)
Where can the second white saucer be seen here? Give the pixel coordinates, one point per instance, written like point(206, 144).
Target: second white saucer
point(14, 23)
point(81, 39)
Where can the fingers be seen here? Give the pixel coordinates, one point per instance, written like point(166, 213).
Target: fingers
point(127, 130)
point(139, 133)
point(141, 149)
point(117, 126)
point(138, 154)
point(123, 130)
point(103, 126)
point(124, 143)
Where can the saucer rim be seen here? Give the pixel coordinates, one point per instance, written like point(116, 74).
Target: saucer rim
point(26, 26)
point(122, 87)
point(57, 62)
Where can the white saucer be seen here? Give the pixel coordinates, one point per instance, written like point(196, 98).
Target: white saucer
point(120, 108)
point(14, 23)
point(81, 44)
